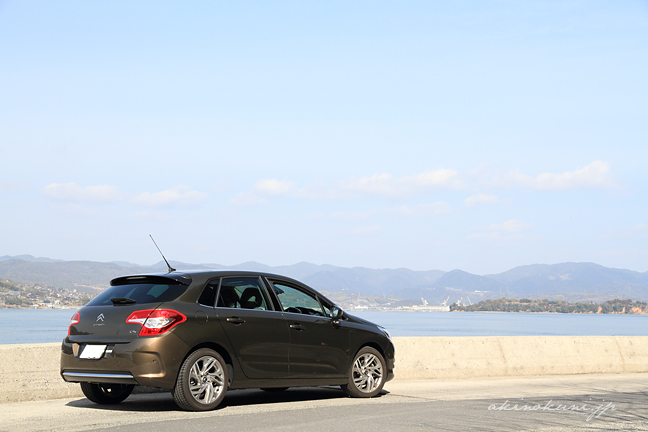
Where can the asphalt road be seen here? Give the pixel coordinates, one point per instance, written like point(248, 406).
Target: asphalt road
point(584, 402)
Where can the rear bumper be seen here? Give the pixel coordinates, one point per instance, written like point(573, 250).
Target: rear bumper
point(99, 377)
point(150, 361)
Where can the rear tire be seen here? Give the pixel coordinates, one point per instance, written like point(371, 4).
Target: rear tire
point(106, 394)
point(367, 374)
point(202, 381)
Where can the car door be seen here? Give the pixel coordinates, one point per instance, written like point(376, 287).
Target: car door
point(258, 334)
point(318, 349)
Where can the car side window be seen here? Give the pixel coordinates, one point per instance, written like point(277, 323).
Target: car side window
point(297, 301)
point(242, 293)
point(208, 296)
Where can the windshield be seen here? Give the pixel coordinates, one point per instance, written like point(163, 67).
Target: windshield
point(141, 293)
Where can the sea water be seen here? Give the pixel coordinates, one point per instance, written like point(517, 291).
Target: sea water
point(25, 326)
point(507, 324)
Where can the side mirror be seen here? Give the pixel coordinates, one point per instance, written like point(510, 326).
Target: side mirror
point(336, 315)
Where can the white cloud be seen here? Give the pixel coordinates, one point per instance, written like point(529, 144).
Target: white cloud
point(74, 192)
point(273, 187)
point(383, 185)
point(262, 190)
point(474, 200)
point(595, 175)
point(508, 230)
point(423, 210)
point(398, 187)
point(177, 195)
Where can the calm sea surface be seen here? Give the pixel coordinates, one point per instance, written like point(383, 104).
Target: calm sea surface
point(39, 326)
point(507, 324)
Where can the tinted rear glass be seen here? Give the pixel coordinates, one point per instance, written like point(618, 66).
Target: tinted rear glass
point(141, 293)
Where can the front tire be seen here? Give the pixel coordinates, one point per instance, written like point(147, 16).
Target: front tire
point(202, 381)
point(106, 394)
point(367, 375)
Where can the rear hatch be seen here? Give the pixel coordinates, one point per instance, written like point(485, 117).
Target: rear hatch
point(104, 319)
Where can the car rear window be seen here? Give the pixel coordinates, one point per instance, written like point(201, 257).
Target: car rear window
point(142, 293)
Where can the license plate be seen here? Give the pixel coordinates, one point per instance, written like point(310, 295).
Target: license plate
point(92, 351)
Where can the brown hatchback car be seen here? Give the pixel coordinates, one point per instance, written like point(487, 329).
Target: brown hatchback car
point(200, 333)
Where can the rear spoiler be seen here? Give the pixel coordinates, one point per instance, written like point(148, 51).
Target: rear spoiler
point(174, 278)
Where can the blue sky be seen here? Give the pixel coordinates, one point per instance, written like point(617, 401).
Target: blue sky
point(429, 135)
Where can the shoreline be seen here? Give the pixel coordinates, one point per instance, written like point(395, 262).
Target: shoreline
point(41, 309)
point(352, 311)
point(553, 313)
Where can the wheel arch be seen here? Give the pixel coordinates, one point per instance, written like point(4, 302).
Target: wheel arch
point(220, 350)
point(371, 344)
point(351, 388)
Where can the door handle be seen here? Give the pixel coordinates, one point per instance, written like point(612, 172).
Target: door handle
point(297, 327)
point(236, 320)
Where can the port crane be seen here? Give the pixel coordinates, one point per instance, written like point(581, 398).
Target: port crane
point(445, 302)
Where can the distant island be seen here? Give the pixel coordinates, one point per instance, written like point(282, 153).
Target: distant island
point(40, 282)
point(615, 306)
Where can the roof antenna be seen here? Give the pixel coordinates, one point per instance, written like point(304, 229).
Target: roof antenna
point(171, 269)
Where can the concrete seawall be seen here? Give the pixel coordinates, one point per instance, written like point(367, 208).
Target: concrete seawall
point(475, 357)
point(31, 372)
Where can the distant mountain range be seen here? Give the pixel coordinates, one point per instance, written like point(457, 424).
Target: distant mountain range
point(567, 281)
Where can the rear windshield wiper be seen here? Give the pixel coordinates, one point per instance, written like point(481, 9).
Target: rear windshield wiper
point(122, 301)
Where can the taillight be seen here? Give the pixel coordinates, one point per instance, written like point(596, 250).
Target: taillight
point(74, 320)
point(155, 322)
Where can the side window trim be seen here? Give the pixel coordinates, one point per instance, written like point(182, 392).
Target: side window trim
point(264, 292)
point(324, 306)
point(215, 296)
point(268, 285)
point(273, 302)
point(271, 283)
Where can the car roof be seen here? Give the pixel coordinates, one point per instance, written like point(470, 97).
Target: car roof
point(216, 273)
point(186, 277)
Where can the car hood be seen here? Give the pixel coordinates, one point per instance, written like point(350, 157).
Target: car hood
point(358, 320)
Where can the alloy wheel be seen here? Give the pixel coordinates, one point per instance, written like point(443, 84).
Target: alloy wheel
point(206, 380)
point(367, 373)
